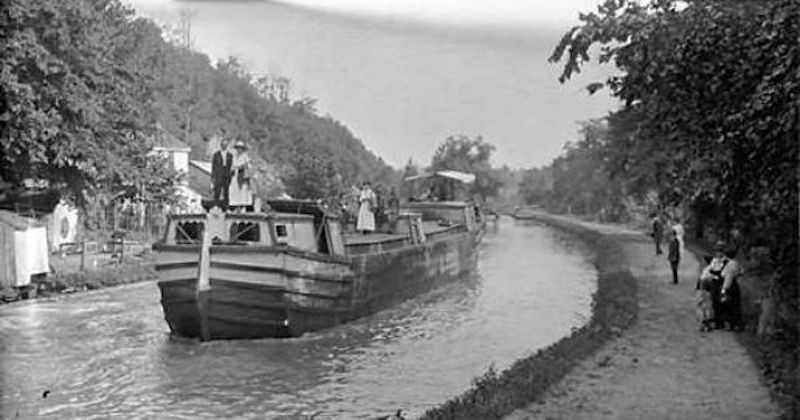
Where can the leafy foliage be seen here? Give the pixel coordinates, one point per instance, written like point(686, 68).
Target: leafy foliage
point(708, 93)
point(472, 155)
point(710, 118)
point(73, 109)
point(85, 84)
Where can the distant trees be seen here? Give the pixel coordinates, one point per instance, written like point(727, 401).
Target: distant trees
point(472, 155)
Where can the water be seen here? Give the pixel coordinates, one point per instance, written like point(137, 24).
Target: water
point(109, 353)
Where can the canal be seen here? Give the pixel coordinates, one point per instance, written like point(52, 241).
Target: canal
point(109, 353)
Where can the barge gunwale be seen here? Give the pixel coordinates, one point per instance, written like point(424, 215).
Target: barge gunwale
point(264, 289)
point(287, 272)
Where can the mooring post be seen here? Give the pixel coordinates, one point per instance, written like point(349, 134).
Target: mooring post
point(203, 285)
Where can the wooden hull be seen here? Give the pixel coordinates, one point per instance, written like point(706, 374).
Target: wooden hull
point(274, 293)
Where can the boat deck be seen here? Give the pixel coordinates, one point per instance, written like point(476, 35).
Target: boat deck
point(372, 238)
point(430, 227)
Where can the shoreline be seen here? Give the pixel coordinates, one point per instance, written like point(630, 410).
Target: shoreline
point(614, 309)
point(641, 355)
point(82, 282)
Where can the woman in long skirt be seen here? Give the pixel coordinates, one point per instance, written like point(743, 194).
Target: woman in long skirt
point(239, 194)
point(367, 202)
point(705, 287)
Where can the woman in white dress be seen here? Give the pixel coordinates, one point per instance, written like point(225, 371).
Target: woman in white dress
point(239, 194)
point(367, 202)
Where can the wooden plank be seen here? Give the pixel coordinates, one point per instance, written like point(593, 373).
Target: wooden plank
point(243, 275)
point(181, 273)
point(284, 262)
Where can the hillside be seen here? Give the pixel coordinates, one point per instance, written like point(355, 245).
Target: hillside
point(87, 83)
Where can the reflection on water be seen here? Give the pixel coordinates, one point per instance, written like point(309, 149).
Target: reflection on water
point(109, 353)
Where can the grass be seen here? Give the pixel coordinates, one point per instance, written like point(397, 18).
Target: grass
point(131, 271)
point(615, 307)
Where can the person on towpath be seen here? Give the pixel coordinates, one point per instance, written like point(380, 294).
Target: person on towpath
point(658, 232)
point(674, 254)
point(722, 275)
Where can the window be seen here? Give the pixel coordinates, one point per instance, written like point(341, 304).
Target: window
point(280, 231)
point(189, 232)
point(245, 232)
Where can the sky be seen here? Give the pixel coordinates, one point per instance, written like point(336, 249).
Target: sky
point(404, 75)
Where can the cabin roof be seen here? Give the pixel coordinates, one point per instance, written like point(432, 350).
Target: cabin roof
point(202, 165)
point(312, 207)
point(16, 221)
point(243, 216)
point(464, 177)
point(164, 140)
point(435, 204)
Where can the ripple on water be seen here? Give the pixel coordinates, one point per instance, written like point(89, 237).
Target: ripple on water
point(109, 354)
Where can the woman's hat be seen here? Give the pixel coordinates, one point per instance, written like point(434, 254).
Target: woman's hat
point(720, 246)
point(239, 144)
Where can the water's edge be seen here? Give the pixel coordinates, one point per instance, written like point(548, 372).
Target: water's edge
point(614, 308)
point(533, 285)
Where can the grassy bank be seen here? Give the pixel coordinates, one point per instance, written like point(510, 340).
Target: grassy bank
point(615, 307)
point(62, 281)
point(97, 278)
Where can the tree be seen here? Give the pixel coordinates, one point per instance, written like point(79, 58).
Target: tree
point(462, 153)
point(313, 175)
point(536, 185)
point(710, 87)
point(74, 94)
point(710, 92)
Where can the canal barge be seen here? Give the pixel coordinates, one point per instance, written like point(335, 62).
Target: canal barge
point(292, 269)
point(525, 213)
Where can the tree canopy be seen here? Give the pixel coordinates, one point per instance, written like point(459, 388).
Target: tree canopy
point(710, 93)
point(74, 106)
point(86, 84)
point(472, 155)
point(709, 116)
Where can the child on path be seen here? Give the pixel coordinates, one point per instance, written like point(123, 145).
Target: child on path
point(705, 305)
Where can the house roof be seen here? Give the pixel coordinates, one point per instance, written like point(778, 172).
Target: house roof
point(38, 202)
point(202, 165)
point(165, 140)
point(16, 221)
point(199, 177)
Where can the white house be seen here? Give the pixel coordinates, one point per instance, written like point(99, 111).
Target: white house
point(177, 152)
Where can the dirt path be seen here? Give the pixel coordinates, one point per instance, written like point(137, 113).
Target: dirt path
point(662, 367)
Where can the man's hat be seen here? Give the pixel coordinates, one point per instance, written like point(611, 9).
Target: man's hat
point(720, 246)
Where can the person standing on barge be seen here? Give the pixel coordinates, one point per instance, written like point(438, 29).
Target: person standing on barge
point(221, 163)
point(367, 203)
point(240, 195)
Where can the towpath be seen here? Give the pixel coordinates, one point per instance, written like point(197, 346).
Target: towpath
point(662, 367)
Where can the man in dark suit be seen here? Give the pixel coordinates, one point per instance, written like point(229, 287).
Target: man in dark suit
point(658, 232)
point(221, 174)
